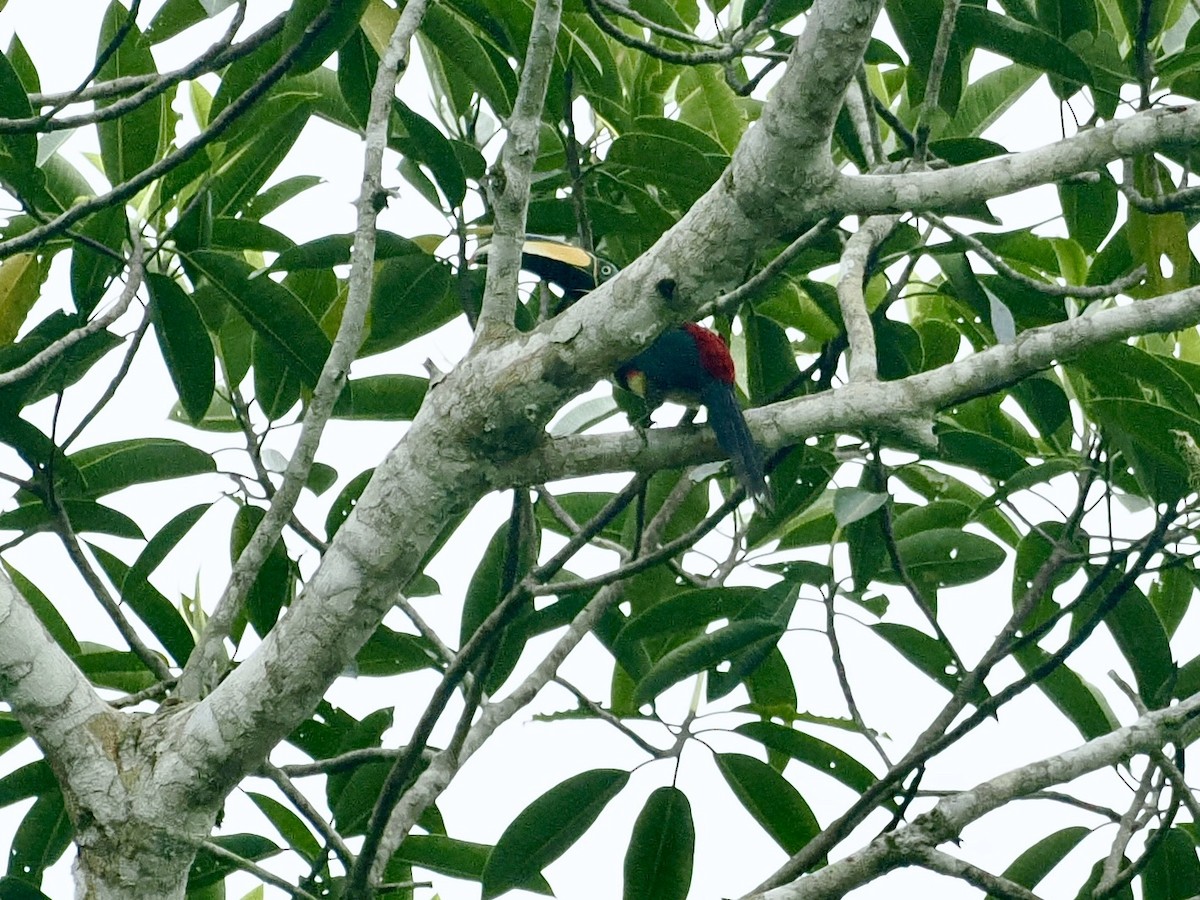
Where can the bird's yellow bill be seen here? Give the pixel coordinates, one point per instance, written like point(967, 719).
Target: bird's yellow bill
point(566, 253)
point(635, 381)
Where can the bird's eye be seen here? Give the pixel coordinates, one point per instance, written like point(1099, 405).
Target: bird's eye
point(607, 269)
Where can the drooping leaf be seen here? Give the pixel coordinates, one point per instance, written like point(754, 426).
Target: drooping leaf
point(658, 863)
point(547, 828)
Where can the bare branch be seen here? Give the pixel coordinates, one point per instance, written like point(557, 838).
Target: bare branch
point(511, 179)
point(997, 262)
point(35, 237)
point(943, 863)
point(203, 668)
point(94, 326)
point(933, 84)
point(851, 281)
point(265, 875)
point(948, 819)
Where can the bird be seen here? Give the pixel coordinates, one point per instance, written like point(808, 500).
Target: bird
point(687, 364)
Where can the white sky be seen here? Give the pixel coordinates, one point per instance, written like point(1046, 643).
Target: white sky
point(526, 758)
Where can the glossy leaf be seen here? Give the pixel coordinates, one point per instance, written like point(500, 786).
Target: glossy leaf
point(1035, 863)
point(811, 751)
point(272, 310)
point(547, 828)
point(770, 799)
point(458, 858)
point(703, 652)
point(131, 142)
point(658, 863)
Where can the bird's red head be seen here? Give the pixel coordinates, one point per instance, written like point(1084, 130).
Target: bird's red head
point(714, 352)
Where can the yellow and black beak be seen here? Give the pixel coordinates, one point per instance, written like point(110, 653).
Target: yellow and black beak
point(571, 269)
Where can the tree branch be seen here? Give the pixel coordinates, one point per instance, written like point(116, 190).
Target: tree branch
point(204, 666)
point(946, 821)
point(511, 178)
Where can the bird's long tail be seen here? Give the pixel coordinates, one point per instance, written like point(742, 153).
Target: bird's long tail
point(727, 422)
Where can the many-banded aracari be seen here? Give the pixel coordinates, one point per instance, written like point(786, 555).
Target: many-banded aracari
point(687, 364)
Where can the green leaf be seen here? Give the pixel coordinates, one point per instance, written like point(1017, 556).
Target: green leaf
point(774, 604)
point(84, 515)
point(1173, 872)
point(22, 64)
point(987, 99)
point(120, 670)
point(107, 468)
point(1143, 641)
point(708, 103)
point(412, 296)
point(288, 824)
point(771, 799)
point(160, 616)
point(340, 509)
point(704, 652)
point(946, 557)
point(812, 751)
point(1035, 863)
point(45, 610)
point(1089, 209)
point(18, 152)
point(1171, 596)
point(176, 16)
point(91, 270)
point(1082, 704)
point(381, 398)
point(980, 27)
point(275, 583)
point(278, 194)
point(20, 287)
point(457, 858)
point(253, 154)
point(272, 310)
point(33, 779)
point(658, 863)
point(547, 827)
point(1159, 241)
point(852, 504)
point(42, 837)
point(16, 889)
point(337, 28)
point(186, 347)
point(926, 653)
point(131, 142)
point(687, 610)
point(389, 652)
point(464, 50)
point(423, 143)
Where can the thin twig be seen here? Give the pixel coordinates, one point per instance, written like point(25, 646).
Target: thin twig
point(230, 114)
point(66, 534)
point(996, 886)
point(42, 359)
point(128, 84)
point(729, 302)
point(997, 262)
point(280, 779)
point(933, 85)
point(860, 331)
point(257, 871)
point(114, 383)
point(202, 668)
point(206, 62)
point(605, 716)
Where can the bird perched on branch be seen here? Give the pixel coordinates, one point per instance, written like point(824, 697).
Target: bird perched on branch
point(688, 364)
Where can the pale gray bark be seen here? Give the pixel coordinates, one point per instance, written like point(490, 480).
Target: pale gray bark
point(145, 790)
